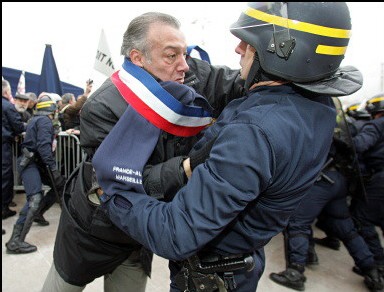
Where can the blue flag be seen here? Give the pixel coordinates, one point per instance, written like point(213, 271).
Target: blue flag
point(203, 54)
point(49, 77)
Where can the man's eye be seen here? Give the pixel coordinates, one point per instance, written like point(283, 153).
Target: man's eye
point(173, 56)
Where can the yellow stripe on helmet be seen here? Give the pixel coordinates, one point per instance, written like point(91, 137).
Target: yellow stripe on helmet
point(377, 99)
point(44, 104)
point(298, 25)
point(330, 50)
point(353, 107)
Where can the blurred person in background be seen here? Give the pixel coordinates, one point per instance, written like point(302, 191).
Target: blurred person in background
point(21, 105)
point(32, 102)
point(69, 111)
point(11, 126)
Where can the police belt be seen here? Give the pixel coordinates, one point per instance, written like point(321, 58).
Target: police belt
point(212, 272)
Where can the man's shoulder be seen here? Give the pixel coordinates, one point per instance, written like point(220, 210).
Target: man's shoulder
point(105, 90)
point(106, 96)
point(6, 104)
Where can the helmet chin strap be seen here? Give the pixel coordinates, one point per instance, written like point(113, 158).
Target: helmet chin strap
point(256, 74)
point(253, 72)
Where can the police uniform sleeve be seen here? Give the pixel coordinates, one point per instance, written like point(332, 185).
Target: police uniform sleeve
point(369, 134)
point(44, 141)
point(217, 192)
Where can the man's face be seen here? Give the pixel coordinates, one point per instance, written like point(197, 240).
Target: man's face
point(247, 55)
point(167, 53)
point(31, 103)
point(21, 105)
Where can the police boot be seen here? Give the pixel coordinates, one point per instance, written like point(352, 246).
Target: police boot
point(330, 242)
point(372, 280)
point(293, 277)
point(39, 219)
point(34, 203)
point(44, 206)
point(312, 258)
point(15, 245)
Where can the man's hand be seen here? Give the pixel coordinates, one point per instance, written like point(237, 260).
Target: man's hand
point(88, 87)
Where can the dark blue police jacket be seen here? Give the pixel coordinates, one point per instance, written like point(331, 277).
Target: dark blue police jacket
point(269, 150)
point(39, 136)
point(369, 143)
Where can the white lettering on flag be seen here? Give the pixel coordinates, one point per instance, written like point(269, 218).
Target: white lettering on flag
point(103, 61)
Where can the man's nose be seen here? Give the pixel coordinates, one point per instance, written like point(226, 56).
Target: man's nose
point(183, 66)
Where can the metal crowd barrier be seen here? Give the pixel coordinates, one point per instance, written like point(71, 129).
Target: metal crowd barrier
point(68, 155)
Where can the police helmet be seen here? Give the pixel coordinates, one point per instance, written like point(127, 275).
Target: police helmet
point(355, 111)
point(296, 41)
point(45, 106)
point(375, 104)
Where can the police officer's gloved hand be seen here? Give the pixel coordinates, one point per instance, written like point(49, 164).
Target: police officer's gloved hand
point(58, 179)
point(199, 156)
point(341, 145)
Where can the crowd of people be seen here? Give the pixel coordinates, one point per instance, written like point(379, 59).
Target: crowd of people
point(25, 125)
point(165, 171)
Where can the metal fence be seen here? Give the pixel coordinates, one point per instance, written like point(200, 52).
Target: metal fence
point(68, 155)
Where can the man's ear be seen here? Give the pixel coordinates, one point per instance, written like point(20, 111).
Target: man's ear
point(136, 57)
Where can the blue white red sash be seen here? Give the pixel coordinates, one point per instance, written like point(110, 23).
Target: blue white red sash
point(158, 106)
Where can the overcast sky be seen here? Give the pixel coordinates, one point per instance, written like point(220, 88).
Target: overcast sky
point(73, 29)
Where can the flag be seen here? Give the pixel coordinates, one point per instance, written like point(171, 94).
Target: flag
point(21, 84)
point(103, 61)
point(49, 77)
point(203, 54)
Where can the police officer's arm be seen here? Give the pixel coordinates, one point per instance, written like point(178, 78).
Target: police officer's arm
point(368, 136)
point(44, 138)
point(217, 192)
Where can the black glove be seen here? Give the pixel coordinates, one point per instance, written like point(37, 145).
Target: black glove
point(162, 181)
point(341, 145)
point(58, 179)
point(199, 156)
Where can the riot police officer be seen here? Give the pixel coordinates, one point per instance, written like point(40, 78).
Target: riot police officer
point(369, 144)
point(35, 165)
point(356, 117)
point(252, 182)
point(328, 196)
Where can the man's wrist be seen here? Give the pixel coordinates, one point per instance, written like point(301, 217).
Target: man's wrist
point(187, 167)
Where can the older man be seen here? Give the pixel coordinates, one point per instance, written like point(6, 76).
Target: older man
point(21, 105)
point(154, 48)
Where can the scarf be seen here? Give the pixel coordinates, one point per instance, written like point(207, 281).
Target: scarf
point(153, 107)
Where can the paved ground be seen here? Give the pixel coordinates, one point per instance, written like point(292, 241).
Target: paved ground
point(22, 273)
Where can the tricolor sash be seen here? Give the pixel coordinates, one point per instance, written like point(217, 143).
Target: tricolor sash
point(121, 157)
point(158, 106)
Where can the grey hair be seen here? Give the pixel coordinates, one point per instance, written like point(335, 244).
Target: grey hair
point(135, 37)
point(32, 96)
point(66, 98)
point(5, 86)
